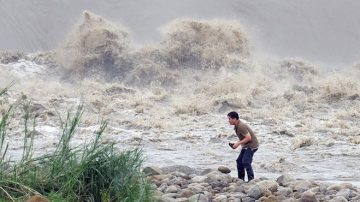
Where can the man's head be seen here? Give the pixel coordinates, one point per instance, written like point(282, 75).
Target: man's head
point(233, 118)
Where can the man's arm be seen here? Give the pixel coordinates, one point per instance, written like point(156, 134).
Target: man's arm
point(243, 141)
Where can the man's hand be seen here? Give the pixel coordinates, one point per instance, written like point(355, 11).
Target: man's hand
point(236, 145)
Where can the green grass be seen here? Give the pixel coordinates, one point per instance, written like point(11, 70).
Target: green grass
point(92, 172)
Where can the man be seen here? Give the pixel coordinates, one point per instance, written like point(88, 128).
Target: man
point(249, 144)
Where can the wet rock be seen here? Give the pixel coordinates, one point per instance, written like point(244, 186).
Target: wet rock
point(271, 198)
point(284, 191)
point(180, 168)
point(270, 185)
point(186, 193)
point(224, 169)
point(300, 185)
point(181, 199)
point(207, 171)
point(221, 198)
point(152, 170)
point(346, 193)
point(339, 199)
point(247, 199)
point(199, 179)
point(335, 187)
point(284, 180)
point(255, 192)
point(308, 196)
point(172, 189)
point(217, 176)
point(198, 198)
point(166, 199)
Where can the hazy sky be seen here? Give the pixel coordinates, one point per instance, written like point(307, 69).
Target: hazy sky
point(326, 31)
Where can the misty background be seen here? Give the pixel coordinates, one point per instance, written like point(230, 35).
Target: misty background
point(325, 32)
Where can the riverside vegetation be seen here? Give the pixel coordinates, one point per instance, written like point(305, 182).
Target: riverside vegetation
point(96, 171)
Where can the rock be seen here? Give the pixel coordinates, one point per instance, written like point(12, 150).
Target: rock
point(284, 180)
point(254, 192)
point(335, 187)
point(199, 179)
point(300, 185)
point(217, 176)
point(271, 198)
point(284, 191)
point(346, 193)
point(186, 193)
point(207, 171)
point(224, 169)
point(198, 198)
point(308, 196)
point(339, 199)
point(268, 185)
point(152, 170)
point(180, 168)
point(346, 185)
point(172, 189)
point(181, 199)
point(221, 198)
point(166, 199)
point(247, 199)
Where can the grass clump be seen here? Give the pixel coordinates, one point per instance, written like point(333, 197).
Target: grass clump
point(92, 172)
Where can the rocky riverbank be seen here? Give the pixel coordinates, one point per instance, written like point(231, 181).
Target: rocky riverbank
point(184, 184)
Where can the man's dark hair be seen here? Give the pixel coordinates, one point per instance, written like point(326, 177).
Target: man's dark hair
point(233, 115)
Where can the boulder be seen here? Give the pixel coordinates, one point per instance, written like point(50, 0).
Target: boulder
point(339, 199)
point(268, 185)
point(224, 169)
point(284, 180)
point(180, 168)
point(217, 176)
point(198, 198)
point(152, 170)
point(308, 196)
point(346, 193)
point(255, 192)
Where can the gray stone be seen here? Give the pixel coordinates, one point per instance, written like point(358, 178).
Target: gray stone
point(217, 176)
point(283, 180)
point(308, 196)
point(180, 168)
point(300, 185)
point(268, 185)
point(335, 187)
point(346, 193)
point(224, 169)
point(255, 192)
point(152, 170)
point(199, 179)
point(166, 199)
point(221, 198)
point(172, 189)
point(247, 199)
point(339, 199)
point(198, 198)
point(181, 199)
point(286, 191)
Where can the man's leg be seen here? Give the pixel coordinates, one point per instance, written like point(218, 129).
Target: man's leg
point(240, 166)
point(246, 162)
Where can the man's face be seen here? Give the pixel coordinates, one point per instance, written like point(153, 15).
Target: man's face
point(232, 121)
